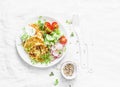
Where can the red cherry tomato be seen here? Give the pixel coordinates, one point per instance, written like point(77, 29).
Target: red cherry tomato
point(51, 28)
point(63, 40)
point(48, 27)
point(47, 24)
point(55, 25)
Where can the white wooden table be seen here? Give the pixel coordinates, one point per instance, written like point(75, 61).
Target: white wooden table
point(99, 25)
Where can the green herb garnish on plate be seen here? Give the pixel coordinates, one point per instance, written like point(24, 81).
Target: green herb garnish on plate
point(24, 37)
point(56, 82)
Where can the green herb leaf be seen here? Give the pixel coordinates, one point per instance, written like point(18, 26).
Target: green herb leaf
point(57, 31)
point(40, 17)
point(47, 57)
point(56, 82)
point(51, 74)
point(44, 20)
point(23, 29)
point(72, 34)
point(60, 51)
point(24, 37)
point(68, 21)
point(41, 25)
point(33, 61)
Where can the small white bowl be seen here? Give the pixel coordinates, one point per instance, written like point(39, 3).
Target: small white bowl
point(74, 73)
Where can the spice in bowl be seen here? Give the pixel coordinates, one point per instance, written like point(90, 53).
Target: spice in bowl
point(68, 69)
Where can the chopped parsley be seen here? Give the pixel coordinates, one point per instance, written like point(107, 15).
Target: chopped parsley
point(44, 20)
point(40, 17)
point(60, 52)
point(51, 74)
point(72, 34)
point(56, 82)
point(68, 21)
point(41, 25)
point(33, 61)
point(23, 29)
point(24, 37)
point(47, 57)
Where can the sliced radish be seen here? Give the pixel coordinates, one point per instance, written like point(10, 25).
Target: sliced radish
point(53, 48)
point(59, 46)
point(56, 54)
point(56, 49)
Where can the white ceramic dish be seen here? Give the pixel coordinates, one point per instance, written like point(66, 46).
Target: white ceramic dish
point(25, 56)
point(74, 73)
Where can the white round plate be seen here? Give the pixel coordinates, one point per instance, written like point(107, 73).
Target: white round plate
point(26, 57)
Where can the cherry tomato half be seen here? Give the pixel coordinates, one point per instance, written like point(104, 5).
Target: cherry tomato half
point(48, 27)
point(55, 25)
point(47, 24)
point(63, 40)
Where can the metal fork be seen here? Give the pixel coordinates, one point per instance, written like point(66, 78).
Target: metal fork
point(83, 47)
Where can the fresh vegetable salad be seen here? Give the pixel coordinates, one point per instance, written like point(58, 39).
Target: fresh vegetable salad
point(47, 44)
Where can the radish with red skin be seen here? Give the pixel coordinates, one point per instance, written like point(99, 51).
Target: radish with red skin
point(55, 50)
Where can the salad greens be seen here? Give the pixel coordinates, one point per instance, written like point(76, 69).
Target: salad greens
point(47, 58)
point(33, 61)
point(41, 25)
point(51, 39)
point(47, 43)
point(24, 37)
